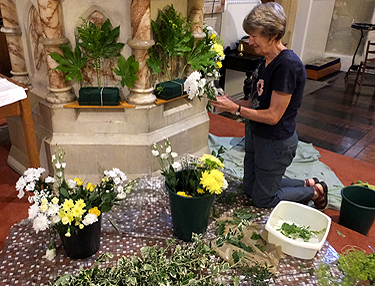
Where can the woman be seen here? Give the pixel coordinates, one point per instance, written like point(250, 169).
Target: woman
point(271, 115)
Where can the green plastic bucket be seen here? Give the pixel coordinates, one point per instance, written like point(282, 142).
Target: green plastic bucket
point(357, 210)
point(189, 214)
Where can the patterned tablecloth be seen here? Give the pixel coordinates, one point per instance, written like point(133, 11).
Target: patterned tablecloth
point(142, 219)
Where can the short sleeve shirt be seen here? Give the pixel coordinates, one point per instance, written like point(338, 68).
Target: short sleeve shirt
point(287, 74)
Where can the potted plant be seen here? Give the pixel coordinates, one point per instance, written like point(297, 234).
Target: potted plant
point(95, 44)
point(355, 268)
point(192, 185)
point(176, 52)
point(71, 208)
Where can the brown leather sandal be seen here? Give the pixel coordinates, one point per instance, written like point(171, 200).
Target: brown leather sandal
point(321, 201)
point(307, 183)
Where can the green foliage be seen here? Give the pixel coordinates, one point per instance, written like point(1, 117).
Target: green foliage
point(258, 275)
point(186, 265)
point(127, 69)
point(354, 265)
point(95, 43)
point(294, 231)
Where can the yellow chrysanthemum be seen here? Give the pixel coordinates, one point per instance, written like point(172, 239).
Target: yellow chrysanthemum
point(67, 204)
point(79, 181)
point(219, 65)
point(55, 200)
point(90, 187)
point(213, 36)
point(77, 211)
point(183, 194)
point(95, 211)
point(80, 203)
point(200, 191)
point(218, 49)
point(212, 181)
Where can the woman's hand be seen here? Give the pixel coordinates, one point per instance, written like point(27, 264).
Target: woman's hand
point(224, 103)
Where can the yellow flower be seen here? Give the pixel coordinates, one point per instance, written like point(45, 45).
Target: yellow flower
point(81, 226)
point(95, 211)
point(212, 181)
point(80, 203)
point(174, 26)
point(79, 181)
point(65, 220)
point(67, 204)
point(55, 200)
point(213, 36)
point(44, 201)
point(218, 49)
point(43, 207)
point(67, 234)
point(200, 191)
point(183, 194)
point(90, 187)
point(219, 65)
point(77, 211)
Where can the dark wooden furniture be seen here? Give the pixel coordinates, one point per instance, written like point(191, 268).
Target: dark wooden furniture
point(246, 63)
point(23, 108)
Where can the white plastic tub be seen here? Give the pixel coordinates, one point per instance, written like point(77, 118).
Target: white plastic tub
point(301, 215)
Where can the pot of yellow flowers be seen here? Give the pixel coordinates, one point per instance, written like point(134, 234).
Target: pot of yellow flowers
point(71, 208)
point(192, 185)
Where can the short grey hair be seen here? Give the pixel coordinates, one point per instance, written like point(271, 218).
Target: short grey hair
point(268, 19)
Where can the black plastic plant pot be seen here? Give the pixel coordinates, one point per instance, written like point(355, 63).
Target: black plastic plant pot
point(105, 96)
point(84, 243)
point(170, 89)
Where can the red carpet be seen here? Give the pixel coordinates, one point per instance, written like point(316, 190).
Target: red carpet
point(347, 169)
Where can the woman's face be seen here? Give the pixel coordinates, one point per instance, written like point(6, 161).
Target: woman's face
point(260, 43)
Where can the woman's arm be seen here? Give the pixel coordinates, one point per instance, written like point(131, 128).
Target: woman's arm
point(271, 116)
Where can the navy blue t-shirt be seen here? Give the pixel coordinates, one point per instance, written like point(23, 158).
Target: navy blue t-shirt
point(287, 74)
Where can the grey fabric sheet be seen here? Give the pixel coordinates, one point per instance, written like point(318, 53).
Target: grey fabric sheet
point(306, 164)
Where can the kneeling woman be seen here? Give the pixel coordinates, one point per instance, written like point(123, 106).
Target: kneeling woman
point(271, 115)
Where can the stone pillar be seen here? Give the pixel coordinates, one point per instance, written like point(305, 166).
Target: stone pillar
point(13, 36)
point(140, 19)
point(50, 16)
point(195, 15)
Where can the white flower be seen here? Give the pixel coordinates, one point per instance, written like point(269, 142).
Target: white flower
point(155, 153)
point(174, 155)
point(121, 195)
point(168, 150)
point(49, 179)
point(30, 186)
point(40, 223)
point(55, 219)
point(90, 219)
point(51, 254)
point(117, 180)
point(53, 157)
point(58, 165)
point(63, 165)
point(176, 166)
point(71, 183)
point(21, 193)
point(191, 85)
point(225, 184)
point(21, 184)
point(33, 211)
point(164, 156)
point(53, 209)
point(120, 189)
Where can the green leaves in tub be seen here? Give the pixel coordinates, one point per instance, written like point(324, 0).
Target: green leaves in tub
point(294, 231)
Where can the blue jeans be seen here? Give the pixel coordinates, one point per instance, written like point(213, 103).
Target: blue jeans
point(264, 167)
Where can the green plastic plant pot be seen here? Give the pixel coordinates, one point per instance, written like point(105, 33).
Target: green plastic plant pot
point(189, 214)
point(357, 210)
point(106, 96)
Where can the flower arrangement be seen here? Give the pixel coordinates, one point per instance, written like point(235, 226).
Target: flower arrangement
point(65, 206)
point(194, 177)
point(176, 54)
point(200, 83)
